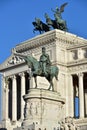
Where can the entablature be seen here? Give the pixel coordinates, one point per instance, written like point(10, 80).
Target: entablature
point(62, 38)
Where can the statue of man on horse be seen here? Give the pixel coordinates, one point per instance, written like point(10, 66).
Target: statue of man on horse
point(41, 68)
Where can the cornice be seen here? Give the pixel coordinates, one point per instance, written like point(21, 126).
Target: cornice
point(70, 41)
point(37, 41)
point(64, 39)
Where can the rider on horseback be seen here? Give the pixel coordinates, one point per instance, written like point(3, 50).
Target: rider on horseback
point(44, 61)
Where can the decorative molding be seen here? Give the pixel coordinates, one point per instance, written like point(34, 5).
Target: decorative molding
point(64, 39)
point(78, 68)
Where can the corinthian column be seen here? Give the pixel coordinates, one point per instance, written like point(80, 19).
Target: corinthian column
point(81, 95)
point(3, 98)
point(22, 94)
point(70, 96)
point(14, 98)
point(6, 97)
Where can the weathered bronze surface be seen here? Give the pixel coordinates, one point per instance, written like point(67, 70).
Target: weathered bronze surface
point(41, 68)
point(57, 23)
point(40, 26)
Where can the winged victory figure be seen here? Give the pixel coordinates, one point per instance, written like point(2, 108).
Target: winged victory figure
point(58, 16)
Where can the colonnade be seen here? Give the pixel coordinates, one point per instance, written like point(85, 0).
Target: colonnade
point(15, 100)
point(81, 94)
point(14, 88)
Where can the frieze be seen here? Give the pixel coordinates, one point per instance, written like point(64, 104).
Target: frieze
point(77, 62)
point(77, 68)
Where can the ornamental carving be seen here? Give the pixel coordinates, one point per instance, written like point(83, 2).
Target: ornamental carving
point(15, 60)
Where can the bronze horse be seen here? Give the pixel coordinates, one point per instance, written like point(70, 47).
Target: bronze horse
point(40, 26)
point(36, 70)
point(56, 24)
point(51, 22)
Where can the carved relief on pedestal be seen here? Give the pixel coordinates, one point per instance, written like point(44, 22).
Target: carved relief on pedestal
point(68, 124)
point(33, 109)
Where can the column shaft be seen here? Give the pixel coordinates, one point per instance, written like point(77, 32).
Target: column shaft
point(6, 101)
point(70, 96)
point(81, 95)
point(3, 99)
point(22, 94)
point(67, 98)
point(14, 99)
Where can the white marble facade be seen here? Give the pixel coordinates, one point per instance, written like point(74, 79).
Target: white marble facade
point(69, 53)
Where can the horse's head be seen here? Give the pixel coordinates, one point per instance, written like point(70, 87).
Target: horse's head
point(31, 62)
point(46, 15)
point(34, 23)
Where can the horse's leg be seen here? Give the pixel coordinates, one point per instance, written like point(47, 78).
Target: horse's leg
point(31, 75)
point(51, 84)
point(34, 30)
point(56, 76)
point(35, 79)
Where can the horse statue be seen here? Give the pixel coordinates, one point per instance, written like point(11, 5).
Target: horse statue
point(51, 22)
point(36, 70)
point(60, 23)
point(40, 26)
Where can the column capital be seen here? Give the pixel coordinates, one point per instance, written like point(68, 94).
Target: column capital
point(6, 80)
point(22, 74)
point(80, 74)
point(13, 77)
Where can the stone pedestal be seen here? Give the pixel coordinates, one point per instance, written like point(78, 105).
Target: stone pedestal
point(43, 109)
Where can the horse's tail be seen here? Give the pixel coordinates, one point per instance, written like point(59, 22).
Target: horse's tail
point(56, 78)
point(33, 30)
point(56, 75)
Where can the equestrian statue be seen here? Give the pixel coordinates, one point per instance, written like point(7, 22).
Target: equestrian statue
point(42, 68)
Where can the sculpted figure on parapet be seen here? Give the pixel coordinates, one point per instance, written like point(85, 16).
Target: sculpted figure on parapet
point(68, 124)
point(58, 17)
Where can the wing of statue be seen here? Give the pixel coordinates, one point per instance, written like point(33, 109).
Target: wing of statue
point(62, 7)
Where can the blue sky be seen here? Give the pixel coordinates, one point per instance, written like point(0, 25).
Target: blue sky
point(16, 17)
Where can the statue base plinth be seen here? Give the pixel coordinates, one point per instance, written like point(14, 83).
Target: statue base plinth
point(43, 109)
